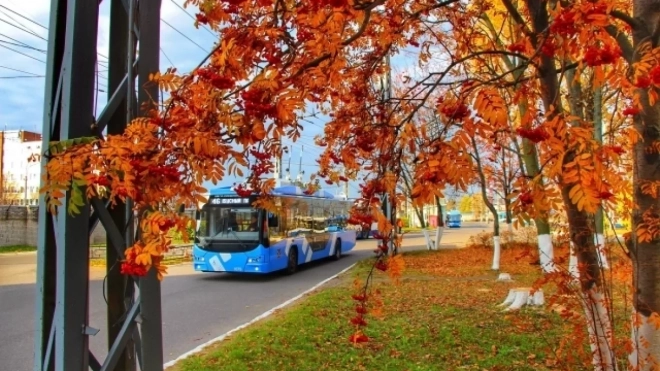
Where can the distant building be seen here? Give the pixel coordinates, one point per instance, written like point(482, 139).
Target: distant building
point(20, 155)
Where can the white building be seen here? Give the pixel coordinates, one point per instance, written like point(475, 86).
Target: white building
point(21, 154)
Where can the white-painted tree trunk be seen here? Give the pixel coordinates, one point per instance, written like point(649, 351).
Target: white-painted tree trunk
point(599, 241)
point(645, 338)
point(573, 263)
point(546, 253)
point(600, 330)
point(496, 253)
point(438, 236)
point(427, 237)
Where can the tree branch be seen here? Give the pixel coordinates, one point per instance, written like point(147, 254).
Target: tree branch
point(624, 43)
point(632, 22)
point(519, 19)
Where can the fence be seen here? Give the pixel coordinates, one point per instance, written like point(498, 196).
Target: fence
point(18, 226)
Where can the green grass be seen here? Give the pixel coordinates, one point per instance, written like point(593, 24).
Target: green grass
point(16, 248)
point(434, 319)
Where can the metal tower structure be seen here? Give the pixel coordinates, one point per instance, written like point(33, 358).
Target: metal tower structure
point(134, 308)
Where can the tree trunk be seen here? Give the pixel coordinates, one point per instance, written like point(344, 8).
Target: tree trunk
point(599, 235)
point(532, 167)
point(591, 284)
point(645, 253)
point(441, 223)
point(491, 207)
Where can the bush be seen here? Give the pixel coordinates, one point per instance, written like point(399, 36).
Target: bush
point(523, 237)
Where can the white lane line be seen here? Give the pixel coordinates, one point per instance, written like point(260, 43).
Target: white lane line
point(258, 318)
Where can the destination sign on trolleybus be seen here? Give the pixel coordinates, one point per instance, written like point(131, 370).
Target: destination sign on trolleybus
point(229, 201)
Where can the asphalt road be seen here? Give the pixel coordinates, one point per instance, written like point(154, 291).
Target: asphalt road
point(197, 307)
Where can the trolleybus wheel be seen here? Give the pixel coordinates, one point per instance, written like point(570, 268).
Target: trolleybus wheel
point(292, 262)
point(337, 254)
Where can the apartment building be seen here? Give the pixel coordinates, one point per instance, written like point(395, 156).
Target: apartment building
point(20, 154)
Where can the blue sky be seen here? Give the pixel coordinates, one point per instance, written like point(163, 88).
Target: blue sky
point(23, 41)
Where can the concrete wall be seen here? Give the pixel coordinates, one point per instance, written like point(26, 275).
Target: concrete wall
point(18, 226)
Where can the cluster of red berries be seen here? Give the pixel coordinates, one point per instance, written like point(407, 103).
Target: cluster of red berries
point(371, 189)
point(631, 111)
point(242, 191)
point(166, 224)
point(218, 81)
point(548, 48)
point(132, 269)
point(362, 219)
point(261, 156)
point(234, 3)
point(257, 103)
point(643, 82)
point(169, 172)
point(526, 198)
point(535, 135)
point(335, 158)
point(655, 74)
point(101, 180)
point(332, 3)
point(365, 143)
point(616, 149)
point(202, 18)
point(260, 168)
point(304, 35)
point(432, 177)
point(122, 191)
point(517, 47)
point(129, 267)
point(598, 57)
point(272, 57)
point(564, 24)
point(358, 320)
point(455, 112)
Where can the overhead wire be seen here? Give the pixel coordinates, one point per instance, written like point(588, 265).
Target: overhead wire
point(21, 71)
point(184, 35)
point(192, 17)
point(23, 46)
point(21, 77)
point(30, 32)
point(21, 53)
point(24, 17)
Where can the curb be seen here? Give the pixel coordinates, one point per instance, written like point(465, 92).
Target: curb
point(254, 320)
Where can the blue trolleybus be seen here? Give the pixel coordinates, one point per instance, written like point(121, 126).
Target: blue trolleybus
point(233, 236)
point(454, 219)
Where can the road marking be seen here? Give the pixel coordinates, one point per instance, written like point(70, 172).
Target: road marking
point(256, 319)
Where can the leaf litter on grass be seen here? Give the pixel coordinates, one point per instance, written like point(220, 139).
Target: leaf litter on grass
point(442, 315)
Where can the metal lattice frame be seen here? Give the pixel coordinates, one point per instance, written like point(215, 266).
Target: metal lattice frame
point(62, 313)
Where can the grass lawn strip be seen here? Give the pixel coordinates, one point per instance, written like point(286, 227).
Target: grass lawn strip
point(442, 316)
point(17, 248)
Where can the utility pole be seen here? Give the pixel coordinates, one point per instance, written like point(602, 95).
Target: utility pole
point(62, 327)
point(288, 169)
point(299, 177)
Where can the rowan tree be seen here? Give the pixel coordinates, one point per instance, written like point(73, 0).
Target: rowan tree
point(276, 57)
